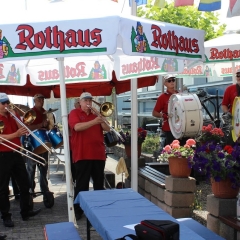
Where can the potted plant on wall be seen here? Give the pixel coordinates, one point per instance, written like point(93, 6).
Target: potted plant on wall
point(219, 162)
point(127, 141)
point(178, 157)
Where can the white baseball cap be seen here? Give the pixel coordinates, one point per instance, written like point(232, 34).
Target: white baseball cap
point(169, 76)
point(85, 95)
point(3, 97)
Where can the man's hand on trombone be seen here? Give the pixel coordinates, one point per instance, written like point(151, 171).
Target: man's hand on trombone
point(22, 131)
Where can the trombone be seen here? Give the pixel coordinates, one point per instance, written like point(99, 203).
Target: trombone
point(37, 138)
point(27, 155)
point(106, 110)
point(28, 116)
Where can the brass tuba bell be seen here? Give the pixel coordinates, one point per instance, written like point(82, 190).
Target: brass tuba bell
point(106, 109)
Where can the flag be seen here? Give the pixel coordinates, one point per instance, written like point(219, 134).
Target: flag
point(159, 3)
point(209, 5)
point(139, 2)
point(234, 8)
point(178, 3)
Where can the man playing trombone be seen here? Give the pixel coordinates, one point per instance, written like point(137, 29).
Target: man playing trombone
point(88, 150)
point(12, 163)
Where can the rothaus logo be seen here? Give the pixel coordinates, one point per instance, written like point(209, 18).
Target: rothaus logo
point(53, 37)
point(173, 42)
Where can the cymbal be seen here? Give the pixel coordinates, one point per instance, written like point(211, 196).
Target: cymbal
point(50, 110)
point(24, 108)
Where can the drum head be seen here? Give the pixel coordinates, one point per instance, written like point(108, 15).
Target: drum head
point(236, 119)
point(185, 115)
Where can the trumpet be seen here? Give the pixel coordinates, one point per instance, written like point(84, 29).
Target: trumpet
point(106, 109)
point(28, 116)
point(106, 122)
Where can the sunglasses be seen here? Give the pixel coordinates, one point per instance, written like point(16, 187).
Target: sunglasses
point(171, 80)
point(6, 102)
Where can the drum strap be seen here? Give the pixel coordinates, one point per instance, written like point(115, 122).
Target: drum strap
point(238, 90)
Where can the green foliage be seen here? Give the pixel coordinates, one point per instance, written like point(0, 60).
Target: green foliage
point(188, 16)
point(150, 144)
point(197, 200)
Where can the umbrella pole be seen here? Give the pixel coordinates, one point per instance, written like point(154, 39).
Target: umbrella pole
point(234, 80)
point(134, 138)
point(70, 194)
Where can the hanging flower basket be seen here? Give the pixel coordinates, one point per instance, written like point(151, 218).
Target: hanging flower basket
point(224, 189)
point(178, 167)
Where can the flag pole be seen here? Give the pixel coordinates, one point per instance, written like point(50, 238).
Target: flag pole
point(134, 8)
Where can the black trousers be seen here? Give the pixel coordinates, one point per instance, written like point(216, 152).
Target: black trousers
point(86, 169)
point(12, 164)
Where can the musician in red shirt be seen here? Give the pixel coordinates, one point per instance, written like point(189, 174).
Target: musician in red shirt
point(88, 150)
point(12, 163)
point(161, 107)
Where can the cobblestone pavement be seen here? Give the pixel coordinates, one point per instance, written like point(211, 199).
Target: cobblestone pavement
point(34, 227)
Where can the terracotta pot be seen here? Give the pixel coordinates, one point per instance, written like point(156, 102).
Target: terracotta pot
point(128, 150)
point(223, 189)
point(178, 167)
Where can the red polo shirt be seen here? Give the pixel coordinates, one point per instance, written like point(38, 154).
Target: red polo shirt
point(229, 95)
point(162, 106)
point(39, 115)
point(10, 126)
point(87, 144)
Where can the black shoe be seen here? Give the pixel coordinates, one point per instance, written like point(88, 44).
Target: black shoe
point(8, 222)
point(31, 213)
point(2, 236)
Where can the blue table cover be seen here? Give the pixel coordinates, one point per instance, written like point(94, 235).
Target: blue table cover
point(110, 210)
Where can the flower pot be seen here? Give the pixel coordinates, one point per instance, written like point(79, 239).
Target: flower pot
point(223, 189)
point(128, 150)
point(178, 167)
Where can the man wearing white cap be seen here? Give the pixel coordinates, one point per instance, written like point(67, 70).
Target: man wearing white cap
point(88, 150)
point(161, 107)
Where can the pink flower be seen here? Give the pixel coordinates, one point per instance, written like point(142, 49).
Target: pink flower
point(175, 146)
point(191, 142)
point(187, 146)
point(167, 148)
point(175, 142)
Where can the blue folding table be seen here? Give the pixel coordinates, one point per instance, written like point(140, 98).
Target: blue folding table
point(110, 210)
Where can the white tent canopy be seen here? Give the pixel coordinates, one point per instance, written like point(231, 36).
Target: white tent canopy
point(29, 36)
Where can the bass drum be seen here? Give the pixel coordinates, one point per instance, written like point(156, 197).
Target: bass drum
point(185, 115)
point(236, 119)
